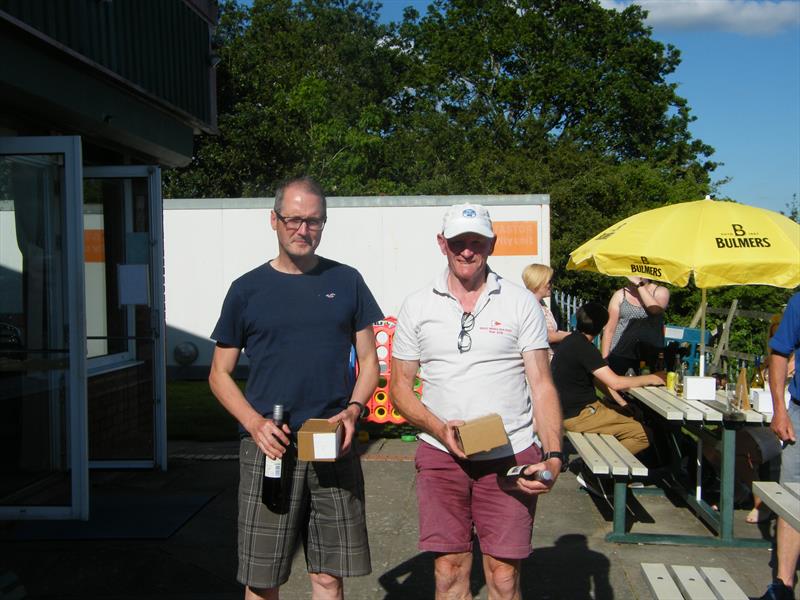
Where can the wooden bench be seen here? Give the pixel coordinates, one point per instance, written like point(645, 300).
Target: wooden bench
point(687, 583)
point(605, 457)
point(784, 500)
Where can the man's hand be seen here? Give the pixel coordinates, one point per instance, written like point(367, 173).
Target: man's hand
point(447, 435)
point(348, 418)
point(533, 487)
point(782, 426)
point(271, 439)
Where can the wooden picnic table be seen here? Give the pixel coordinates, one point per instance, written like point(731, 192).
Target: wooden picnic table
point(694, 416)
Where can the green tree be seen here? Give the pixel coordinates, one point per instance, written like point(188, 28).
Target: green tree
point(300, 90)
point(472, 97)
point(525, 75)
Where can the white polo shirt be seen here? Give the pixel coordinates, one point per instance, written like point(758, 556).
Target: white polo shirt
point(490, 377)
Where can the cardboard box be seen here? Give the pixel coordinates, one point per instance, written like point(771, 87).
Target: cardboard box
point(482, 434)
point(319, 440)
point(699, 388)
point(761, 400)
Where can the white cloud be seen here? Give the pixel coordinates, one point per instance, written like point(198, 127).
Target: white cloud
point(749, 17)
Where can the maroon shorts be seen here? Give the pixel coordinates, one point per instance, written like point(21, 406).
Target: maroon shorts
point(456, 495)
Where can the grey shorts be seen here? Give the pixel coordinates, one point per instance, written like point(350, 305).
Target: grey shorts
point(326, 510)
point(790, 457)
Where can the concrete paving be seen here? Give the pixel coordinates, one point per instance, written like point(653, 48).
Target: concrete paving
point(571, 558)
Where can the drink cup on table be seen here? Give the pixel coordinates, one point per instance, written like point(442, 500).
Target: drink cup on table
point(732, 404)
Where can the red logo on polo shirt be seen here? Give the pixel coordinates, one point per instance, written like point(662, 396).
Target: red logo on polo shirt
point(496, 327)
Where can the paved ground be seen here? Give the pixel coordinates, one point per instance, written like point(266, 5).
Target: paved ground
point(571, 559)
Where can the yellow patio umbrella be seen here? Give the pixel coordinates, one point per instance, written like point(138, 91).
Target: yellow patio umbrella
point(717, 243)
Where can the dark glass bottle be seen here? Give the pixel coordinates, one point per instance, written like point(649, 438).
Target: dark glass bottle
point(660, 365)
point(542, 475)
point(277, 473)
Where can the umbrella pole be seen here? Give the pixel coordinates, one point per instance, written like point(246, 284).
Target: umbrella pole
point(702, 332)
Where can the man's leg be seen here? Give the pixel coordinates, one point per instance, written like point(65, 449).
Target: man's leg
point(598, 418)
point(260, 594)
point(502, 578)
point(445, 519)
point(787, 539)
point(266, 540)
point(452, 576)
point(788, 542)
point(326, 587)
point(504, 524)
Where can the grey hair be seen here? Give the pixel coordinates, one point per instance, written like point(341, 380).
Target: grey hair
point(309, 183)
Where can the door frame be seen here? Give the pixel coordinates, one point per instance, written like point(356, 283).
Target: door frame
point(77, 444)
point(156, 273)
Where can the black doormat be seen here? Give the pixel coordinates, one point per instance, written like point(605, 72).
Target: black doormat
point(115, 516)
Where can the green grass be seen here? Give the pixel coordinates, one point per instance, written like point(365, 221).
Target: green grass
point(193, 413)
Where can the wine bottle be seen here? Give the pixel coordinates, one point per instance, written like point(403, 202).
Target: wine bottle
point(543, 475)
point(275, 488)
point(680, 379)
point(661, 365)
point(757, 380)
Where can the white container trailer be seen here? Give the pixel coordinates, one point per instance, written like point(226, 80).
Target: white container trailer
point(391, 240)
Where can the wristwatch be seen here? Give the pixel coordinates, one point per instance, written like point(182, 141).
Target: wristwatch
point(555, 454)
point(364, 409)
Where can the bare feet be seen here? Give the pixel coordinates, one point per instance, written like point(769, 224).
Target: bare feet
point(758, 515)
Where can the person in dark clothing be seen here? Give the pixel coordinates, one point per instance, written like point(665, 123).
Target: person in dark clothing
point(578, 366)
point(296, 317)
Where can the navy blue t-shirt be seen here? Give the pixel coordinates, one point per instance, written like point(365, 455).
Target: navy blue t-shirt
point(297, 331)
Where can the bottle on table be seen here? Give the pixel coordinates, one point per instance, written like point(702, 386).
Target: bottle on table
point(661, 364)
point(757, 381)
point(277, 473)
point(643, 368)
point(742, 389)
point(679, 378)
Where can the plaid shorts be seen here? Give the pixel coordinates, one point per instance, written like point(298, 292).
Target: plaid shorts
point(326, 509)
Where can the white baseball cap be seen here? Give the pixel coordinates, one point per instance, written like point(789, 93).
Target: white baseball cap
point(467, 218)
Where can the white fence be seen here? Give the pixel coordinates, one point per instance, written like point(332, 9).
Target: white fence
point(567, 305)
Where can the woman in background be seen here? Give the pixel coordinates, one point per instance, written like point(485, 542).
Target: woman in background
point(539, 280)
point(635, 321)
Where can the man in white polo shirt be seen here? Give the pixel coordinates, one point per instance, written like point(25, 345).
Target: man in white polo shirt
point(477, 337)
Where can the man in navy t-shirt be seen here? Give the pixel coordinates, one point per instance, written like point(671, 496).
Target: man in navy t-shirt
point(296, 317)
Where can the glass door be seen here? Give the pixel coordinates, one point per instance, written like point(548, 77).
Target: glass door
point(43, 441)
point(123, 264)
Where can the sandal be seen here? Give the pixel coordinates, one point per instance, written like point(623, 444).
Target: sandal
point(758, 515)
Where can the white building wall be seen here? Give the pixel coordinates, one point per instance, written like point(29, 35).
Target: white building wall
point(391, 240)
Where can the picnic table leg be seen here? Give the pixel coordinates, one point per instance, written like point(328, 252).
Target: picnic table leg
point(698, 470)
point(727, 474)
point(620, 504)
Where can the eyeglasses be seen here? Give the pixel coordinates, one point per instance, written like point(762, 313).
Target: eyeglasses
point(464, 339)
point(295, 223)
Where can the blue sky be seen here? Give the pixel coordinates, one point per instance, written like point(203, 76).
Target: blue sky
point(740, 73)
